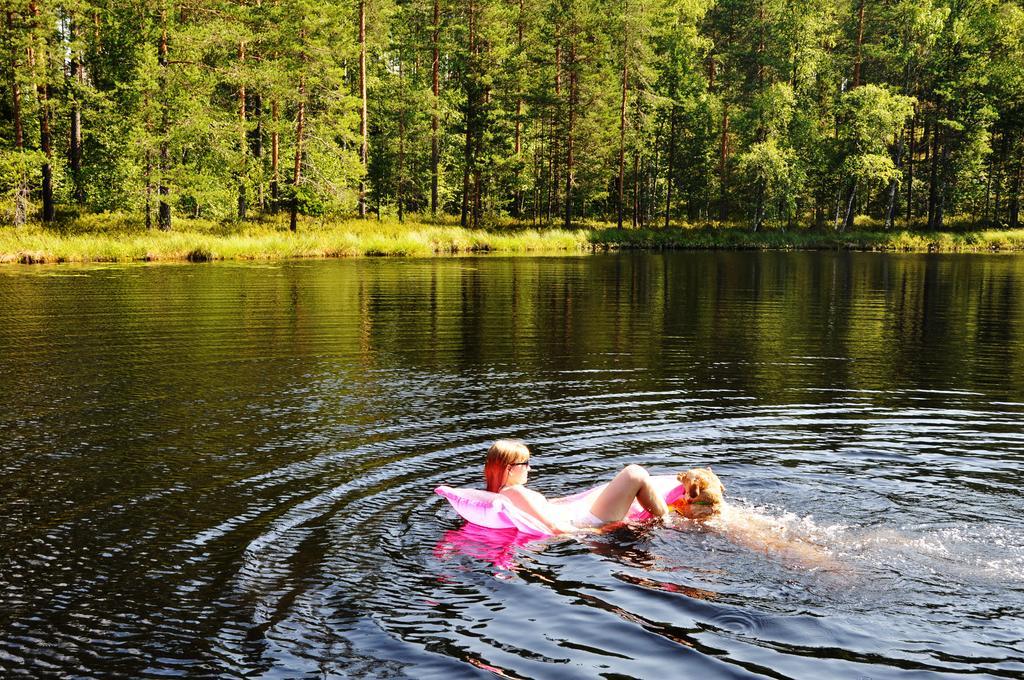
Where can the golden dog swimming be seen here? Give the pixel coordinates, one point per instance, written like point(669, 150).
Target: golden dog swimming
point(704, 501)
point(705, 494)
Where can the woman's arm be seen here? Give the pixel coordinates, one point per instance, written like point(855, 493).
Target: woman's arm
point(536, 505)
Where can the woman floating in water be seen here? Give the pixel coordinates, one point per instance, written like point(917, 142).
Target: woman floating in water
point(506, 472)
point(633, 495)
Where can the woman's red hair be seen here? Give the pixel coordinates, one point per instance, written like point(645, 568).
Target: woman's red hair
point(500, 456)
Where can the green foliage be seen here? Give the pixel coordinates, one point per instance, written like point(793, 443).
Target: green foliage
point(18, 167)
point(871, 115)
point(773, 111)
point(776, 170)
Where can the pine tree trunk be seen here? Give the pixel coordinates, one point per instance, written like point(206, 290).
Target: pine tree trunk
point(45, 140)
point(759, 205)
point(300, 123)
point(671, 164)
point(434, 117)
point(910, 168)
point(723, 204)
point(554, 194)
point(149, 161)
point(275, 156)
point(839, 206)
point(1015, 195)
point(570, 160)
point(163, 218)
point(400, 198)
point(363, 147)
point(848, 219)
point(467, 162)
point(998, 180)
point(517, 201)
point(890, 211)
point(636, 188)
point(468, 203)
point(94, 70)
point(940, 206)
point(538, 162)
point(622, 114)
point(21, 192)
point(19, 134)
point(550, 178)
point(75, 148)
point(477, 197)
point(243, 142)
point(257, 150)
point(860, 44)
point(760, 48)
point(934, 178)
point(149, 189)
point(480, 178)
point(985, 217)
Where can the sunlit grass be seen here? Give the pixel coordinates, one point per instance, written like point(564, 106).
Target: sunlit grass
point(730, 237)
point(117, 239)
point(124, 238)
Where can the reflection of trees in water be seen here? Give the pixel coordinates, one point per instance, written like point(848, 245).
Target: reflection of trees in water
point(755, 323)
point(758, 324)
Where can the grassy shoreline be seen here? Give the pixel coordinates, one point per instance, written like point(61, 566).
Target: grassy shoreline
point(115, 238)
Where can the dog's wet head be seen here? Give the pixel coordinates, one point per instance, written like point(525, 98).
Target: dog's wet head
point(705, 493)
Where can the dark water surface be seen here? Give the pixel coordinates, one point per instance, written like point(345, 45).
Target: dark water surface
point(227, 470)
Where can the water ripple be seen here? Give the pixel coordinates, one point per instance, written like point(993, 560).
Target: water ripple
point(227, 471)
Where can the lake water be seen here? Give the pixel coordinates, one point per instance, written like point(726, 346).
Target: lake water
point(228, 470)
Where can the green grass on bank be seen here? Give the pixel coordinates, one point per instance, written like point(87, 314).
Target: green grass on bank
point(118, 239)
point(862, 240)
point(121, 238)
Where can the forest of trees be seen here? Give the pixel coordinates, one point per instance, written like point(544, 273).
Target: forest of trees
point(639, 112)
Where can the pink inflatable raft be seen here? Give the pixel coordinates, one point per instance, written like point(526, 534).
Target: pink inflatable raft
point(494, 511)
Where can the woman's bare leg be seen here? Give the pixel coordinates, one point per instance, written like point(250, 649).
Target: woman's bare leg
point(632, 482)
